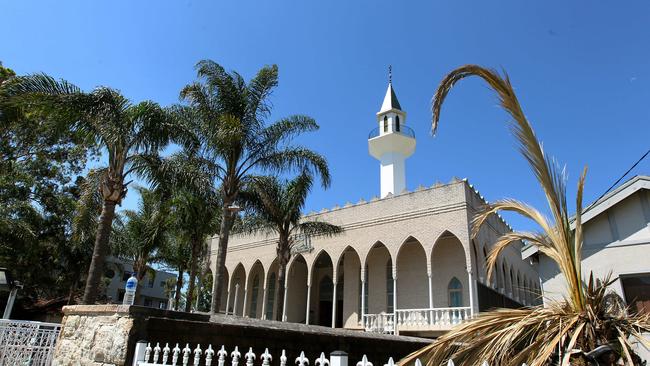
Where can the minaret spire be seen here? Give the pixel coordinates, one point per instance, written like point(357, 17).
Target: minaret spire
point(392, 142)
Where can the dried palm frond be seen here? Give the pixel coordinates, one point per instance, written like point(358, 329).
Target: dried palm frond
point(563, 331)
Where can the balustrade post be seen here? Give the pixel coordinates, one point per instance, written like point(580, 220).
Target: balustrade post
point(308, 304)
point(334, 302)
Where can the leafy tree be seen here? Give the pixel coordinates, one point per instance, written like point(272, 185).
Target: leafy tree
point(230, 120)
point(124, 130)
point(586, 319)
point(276, 208)
point(39, 159)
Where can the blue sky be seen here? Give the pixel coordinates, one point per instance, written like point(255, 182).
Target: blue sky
point(580, 69)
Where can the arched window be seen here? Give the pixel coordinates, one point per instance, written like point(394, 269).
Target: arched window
point(397, 123)
point(389, 286)
point(385, 123)
point(270, 297)
point(256, 290)
point(455, 291)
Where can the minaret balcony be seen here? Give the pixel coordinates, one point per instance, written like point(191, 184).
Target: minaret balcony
point(400, 142)
point(404, 130)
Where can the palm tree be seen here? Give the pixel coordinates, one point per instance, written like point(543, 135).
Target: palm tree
point(176, 254)
point(123, 129)
point(142, 233)
point(585, 320)
point(195, 217)
point(230, 120)
point(276, 208)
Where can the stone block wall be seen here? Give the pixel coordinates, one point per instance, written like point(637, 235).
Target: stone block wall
point(106, 335)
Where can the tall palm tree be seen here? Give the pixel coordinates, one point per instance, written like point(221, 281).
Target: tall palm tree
point(142, 233)
point(586, 319)
point(230, 120)
point(123, 129)
point(195, 217)
point(276, 208)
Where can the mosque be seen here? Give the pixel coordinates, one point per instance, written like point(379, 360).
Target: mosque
point(405, 264)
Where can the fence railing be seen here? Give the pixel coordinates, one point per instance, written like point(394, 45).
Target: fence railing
point(379, 323)
point(403, 130)
point(146, 355)
point(421, 319)
point(432, 317)
point(27, 343)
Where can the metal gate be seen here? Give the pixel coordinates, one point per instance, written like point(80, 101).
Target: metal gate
point(27, 343)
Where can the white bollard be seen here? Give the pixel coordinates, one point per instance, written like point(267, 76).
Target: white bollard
point(338, 358)
point(138, 355)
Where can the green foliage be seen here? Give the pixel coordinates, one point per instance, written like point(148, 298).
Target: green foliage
point(39, 160)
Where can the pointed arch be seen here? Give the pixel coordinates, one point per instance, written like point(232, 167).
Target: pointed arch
point(449, 260)
point(375, 278)
point(412, 274)
point(254, 288)
point(296, 289)
point(237, 285)
point(348, 311)
point(322, 269)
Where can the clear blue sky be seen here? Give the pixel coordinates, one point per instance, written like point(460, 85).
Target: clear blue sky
point(580, 69)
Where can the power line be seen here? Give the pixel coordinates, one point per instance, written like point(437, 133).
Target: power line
point(620, 179)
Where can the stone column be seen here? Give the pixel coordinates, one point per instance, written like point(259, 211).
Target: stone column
point(284, 305)
point(471, 292)
point(308, 303)
point(334, 304)
point(234, 305)
point(363, 296)
point(395, 304)
point(227, 300)
point(430, 291)
point(263, 301)
point(243, 310)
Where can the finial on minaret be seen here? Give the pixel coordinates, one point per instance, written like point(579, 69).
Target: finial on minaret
point(390, 74)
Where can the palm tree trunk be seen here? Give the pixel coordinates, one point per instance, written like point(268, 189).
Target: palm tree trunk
point(282, 269)
point(100, 252)
point(179, 287)
point(227, 220)
point(194, 263)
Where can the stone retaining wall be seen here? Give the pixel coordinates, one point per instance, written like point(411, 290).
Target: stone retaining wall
point(106, 335)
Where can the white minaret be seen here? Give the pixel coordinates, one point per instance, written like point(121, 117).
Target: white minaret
point(391, 143)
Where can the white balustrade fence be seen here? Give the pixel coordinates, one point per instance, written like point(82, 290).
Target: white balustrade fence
point(27, 343)
point(420, 319)
point(379, 323)
point(146, 355)
point(432, 317)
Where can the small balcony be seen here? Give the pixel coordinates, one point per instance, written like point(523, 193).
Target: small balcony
point(416, 320)
point(403, 130)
